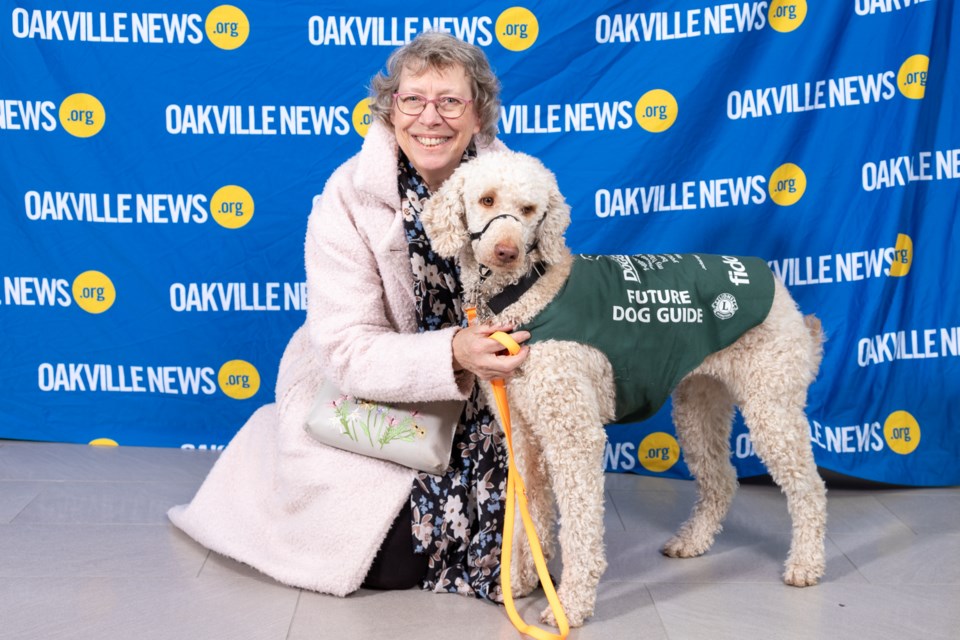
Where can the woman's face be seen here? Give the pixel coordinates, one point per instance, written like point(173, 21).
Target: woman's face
point(432, 143)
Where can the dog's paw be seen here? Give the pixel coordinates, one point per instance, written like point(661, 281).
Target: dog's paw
point(523, 576)
point(678, 547)
point(524, 586)
point(575, 617)
point(801, 575)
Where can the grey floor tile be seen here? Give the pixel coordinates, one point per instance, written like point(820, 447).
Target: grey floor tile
point(218, 566)
point(86, 552)
point(622, 610)
point(106, 502)
point(903, 558)
point(611, 517)
point(855, 511)
point(734, 558)
point(15, 496)
point(399, 614)
point(927, 512)
point(63, 608)
point(56, 461)
point(754, 508)
point(81, 550)
point(652, 513)
point(759, 508)
point(636, 482)
point(827, 612)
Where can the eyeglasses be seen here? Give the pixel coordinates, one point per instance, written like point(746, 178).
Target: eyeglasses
point(413, 104)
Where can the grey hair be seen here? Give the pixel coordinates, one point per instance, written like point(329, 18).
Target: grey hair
point(434, 50)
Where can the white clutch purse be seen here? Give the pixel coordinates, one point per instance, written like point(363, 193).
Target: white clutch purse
point(416, 435)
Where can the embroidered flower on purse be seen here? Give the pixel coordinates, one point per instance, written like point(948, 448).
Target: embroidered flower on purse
point(375, 422)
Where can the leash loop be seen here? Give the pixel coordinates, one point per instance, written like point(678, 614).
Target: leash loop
point(517, 494)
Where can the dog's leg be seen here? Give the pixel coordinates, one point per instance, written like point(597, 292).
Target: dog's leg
point(564, 417)
point(777, 362)
point(576, 465)
point(564, 392)
point(781, 436)
point(702, 414)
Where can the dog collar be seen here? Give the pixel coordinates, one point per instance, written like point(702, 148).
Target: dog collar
point(512, 293)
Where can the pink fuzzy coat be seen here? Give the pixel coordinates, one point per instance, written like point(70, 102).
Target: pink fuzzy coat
point(305, 514)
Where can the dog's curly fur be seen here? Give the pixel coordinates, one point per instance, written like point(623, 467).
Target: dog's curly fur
point(564, 393)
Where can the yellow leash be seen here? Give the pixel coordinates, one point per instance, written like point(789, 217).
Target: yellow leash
point(517, 493)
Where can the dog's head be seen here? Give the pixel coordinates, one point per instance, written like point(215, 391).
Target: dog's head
point(498, 209)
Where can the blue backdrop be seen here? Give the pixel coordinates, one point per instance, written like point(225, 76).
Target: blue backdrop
point(158, 164)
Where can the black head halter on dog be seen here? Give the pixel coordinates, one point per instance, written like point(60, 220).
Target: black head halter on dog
point(511, 293)
point(476, 235)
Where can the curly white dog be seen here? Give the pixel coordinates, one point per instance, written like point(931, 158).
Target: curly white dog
point(503, 217)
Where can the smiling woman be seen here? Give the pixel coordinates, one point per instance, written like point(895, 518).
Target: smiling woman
point(434, 142)
point(437, 94)
point(385, 323)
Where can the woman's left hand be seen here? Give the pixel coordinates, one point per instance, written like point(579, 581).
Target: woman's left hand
point(475, 351)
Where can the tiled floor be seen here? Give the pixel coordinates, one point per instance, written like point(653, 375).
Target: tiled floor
point(86, 553)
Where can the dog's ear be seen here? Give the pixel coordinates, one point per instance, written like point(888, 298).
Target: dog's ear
point(551, 243)
point(444, 218)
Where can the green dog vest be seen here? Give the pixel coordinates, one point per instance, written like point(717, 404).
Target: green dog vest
point(655, 317)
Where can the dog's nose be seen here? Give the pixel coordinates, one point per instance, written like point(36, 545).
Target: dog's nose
point(506, 252)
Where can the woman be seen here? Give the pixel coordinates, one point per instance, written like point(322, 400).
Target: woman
point(384, 322)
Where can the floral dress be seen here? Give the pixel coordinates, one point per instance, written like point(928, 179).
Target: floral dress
point(457, 516)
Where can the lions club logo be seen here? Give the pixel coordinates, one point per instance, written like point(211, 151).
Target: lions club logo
point(724, 306)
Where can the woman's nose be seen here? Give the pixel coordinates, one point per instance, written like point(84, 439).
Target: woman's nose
point(430, 115)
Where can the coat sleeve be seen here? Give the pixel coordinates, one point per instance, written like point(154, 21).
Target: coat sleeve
point(367, 342)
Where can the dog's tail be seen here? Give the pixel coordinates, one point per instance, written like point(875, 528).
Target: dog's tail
point(814, 326)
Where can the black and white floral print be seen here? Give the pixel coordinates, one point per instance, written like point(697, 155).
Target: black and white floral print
point(457, 516)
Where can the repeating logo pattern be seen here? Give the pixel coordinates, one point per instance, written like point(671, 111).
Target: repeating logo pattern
point(160, 162)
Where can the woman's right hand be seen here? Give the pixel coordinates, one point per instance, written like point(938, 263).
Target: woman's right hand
point(475, 351)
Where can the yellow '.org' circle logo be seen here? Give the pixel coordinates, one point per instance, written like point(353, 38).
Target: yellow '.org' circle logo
point(658, 452)
point(239, 379)
point(656, 110)
point(902, 432)
point(787, 15)
point(231, 206)
point(902, 256)
point(517, 29)
point(82, 115)
point(787, 184)
point(362, 118)
point(912, 77)
point(227, 27)
point(94, 292)
point(103, 442)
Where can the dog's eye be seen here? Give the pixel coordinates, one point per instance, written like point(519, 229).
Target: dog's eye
point(528, 210)
point(487, 201)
